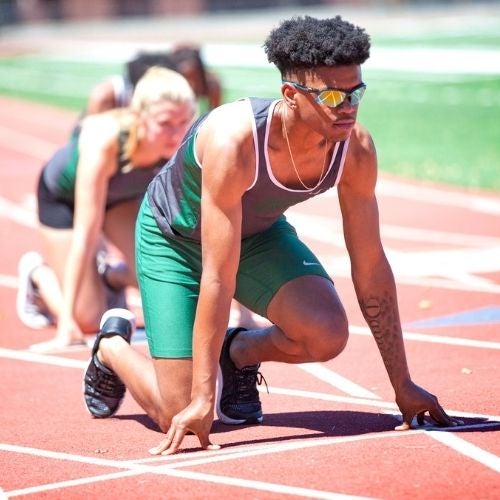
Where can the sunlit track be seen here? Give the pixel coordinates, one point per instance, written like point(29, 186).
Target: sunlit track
point(446, 268)
point(328, 429)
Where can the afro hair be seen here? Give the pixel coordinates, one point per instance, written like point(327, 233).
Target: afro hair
point(304, 43)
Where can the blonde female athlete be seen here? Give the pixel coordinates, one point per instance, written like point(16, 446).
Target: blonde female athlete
point(88, 194)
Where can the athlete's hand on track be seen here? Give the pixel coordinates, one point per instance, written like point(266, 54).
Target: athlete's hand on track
point(415, 401)
point(197, 418)
point(68, 332)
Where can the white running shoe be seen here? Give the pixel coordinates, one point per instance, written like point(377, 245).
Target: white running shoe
point(28, 310)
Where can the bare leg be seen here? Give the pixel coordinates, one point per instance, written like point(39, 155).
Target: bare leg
point(91, 301)
point(309, 325)
point(119, 230)
point(162, 387)
point(47, 283)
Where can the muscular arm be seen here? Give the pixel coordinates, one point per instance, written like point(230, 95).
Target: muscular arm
point(371, 272)
point(374, 281)
point(224, 154)
point(225, 150)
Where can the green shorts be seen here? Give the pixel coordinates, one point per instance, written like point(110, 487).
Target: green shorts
point(169, 272)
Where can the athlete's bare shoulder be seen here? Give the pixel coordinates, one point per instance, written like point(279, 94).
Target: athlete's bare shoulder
point(101, 129)
point(361, 142)
point(231, 120)
point(225, 142)
point(227, 129)
point(360, 169)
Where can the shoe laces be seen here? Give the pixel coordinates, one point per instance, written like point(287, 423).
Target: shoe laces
point(247, 380)
point(107, 384)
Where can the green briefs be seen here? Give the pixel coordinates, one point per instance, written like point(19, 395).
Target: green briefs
point(169, 272)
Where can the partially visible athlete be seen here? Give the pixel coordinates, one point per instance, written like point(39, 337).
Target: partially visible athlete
point(88, 196)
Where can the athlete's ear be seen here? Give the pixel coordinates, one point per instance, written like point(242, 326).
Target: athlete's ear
point(288, 91)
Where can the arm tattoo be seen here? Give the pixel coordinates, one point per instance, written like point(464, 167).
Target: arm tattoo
point(381, 314)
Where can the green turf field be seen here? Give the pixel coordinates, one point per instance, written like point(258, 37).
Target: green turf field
point(438, 127)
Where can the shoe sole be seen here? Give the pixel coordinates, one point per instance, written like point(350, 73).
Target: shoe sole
point(220, 414)
point(87, 408)
point(84, 395)
point(117, 312)
point(22, 291)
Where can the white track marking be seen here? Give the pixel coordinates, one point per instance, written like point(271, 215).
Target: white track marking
point(81, 365)
point(467, 449)
point(449, 269)
point(435, 196)
point(381, 405)
point(72, 482)
point(8, 281)
point(356, 330)
point(420, 193)
point(28, 144)
point(434, 60)
point(330, 377)
point(313, 224)
point(434, 339)
point(484, 425)
point(169, 469)
point(452, 263)
point(45, 359)
point(15, 213)
point(201, 458)
point(260, 485)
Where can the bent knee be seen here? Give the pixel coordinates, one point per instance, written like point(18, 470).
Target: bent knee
point(328, 341)
point(88, 324)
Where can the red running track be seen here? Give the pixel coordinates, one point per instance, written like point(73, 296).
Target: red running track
point(328, 429)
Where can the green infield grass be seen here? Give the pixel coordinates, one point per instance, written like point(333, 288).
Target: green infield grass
point(438, 127)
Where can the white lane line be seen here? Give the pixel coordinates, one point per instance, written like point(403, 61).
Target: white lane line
point(27, 144)
point(435, 60)
point(16, 213)
point(8, 281)
point(81, 364)
point(381, 405)
point(72, 482)
point(434, 339)
point(71, 457)
point(451, 263)
point(485, 286)
point(449, 269)
point(261, 485)
point(328, 229)
point(435, 196)
point(483, 425)
point(168, 469)
point(45, 359)
point(201, 458)
point(356, 330)
point(467, 449)
point(330, 377)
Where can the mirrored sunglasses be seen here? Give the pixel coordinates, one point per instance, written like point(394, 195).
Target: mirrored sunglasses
point(333, 97)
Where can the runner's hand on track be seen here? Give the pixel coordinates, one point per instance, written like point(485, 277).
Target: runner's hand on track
point(413, 401)
point(68, 331)
point(197, 417)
